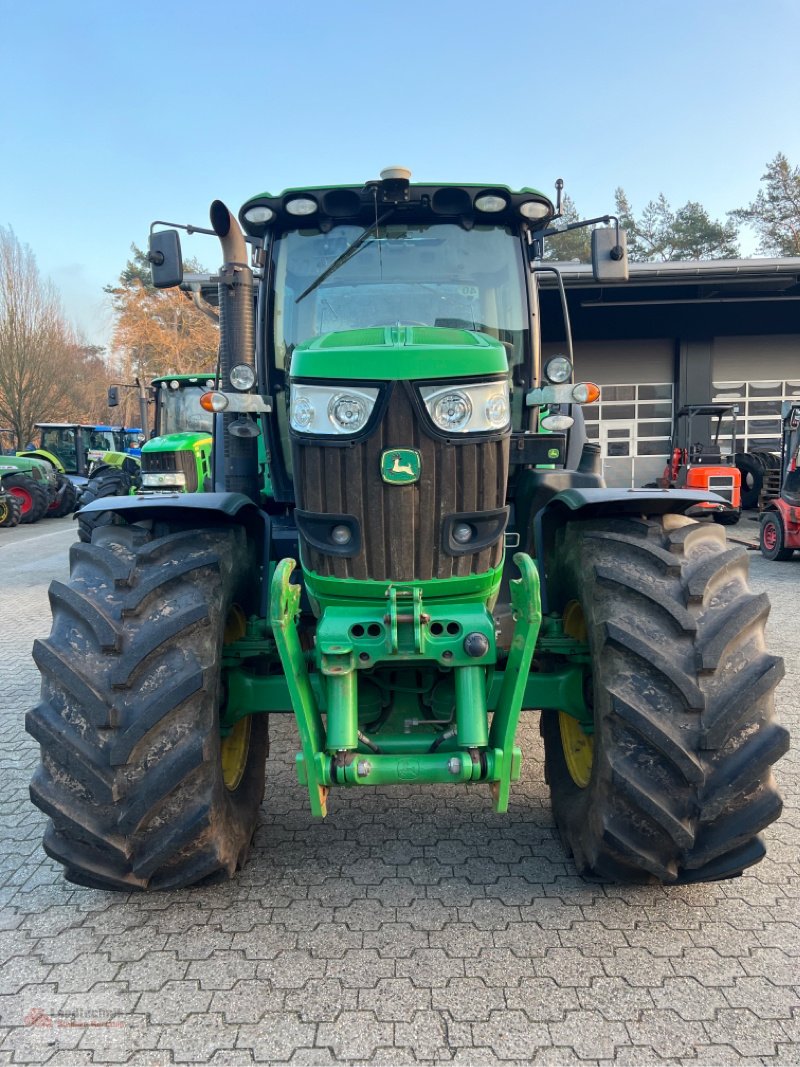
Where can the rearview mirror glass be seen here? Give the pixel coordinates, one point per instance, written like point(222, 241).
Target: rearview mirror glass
point(166, 263)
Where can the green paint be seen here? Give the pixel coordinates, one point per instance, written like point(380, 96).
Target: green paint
point(423, 352)
point(526, 604)
point(333, 591)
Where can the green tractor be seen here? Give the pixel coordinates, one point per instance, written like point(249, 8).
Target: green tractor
point(76, 451)
point(415, 557)
point(176, 459)
point(32, 483)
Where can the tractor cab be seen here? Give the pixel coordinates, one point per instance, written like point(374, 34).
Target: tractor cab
point(177, 458)
point(72, 448)
point(697, 460)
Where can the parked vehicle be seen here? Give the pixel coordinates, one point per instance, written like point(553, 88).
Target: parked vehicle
point(780, 517)
point(698, 464)
point(360, 581)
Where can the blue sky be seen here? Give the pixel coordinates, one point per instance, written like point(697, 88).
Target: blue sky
point(114, 115)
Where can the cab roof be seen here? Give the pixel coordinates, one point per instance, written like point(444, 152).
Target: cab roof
point(359, 204)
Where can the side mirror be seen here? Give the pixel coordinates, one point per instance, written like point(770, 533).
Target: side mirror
point(609, 254)
point(164, 255)
point(113, 396)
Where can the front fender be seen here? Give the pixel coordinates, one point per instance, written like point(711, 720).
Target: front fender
point(576, 505)
point(48, 457)
point(159, 505)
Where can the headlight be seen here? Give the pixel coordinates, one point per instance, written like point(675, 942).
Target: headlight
point(162, 479)
point(558, 369)
point(474, 407)
point(242, 376)
point(330, 409)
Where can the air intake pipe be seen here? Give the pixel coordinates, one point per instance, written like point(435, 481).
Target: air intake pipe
point(237, 345)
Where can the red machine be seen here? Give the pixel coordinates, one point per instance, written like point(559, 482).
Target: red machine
point(780, 519)
point(703, 466)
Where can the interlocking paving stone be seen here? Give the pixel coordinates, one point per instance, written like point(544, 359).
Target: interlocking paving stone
point(411, 927)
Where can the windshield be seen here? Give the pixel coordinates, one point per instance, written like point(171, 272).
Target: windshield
point(433, 274)
point(180, 411)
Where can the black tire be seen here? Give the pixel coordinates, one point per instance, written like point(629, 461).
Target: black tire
point(32, 498)
point(131, 769)
point(10, 510)
point(772, 538)
point(680, 783)
point(109, 481)
point(752, 472)
point(67, 499)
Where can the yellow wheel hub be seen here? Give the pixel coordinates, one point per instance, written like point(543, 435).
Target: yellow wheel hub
point(578, 747)
point(235, 747)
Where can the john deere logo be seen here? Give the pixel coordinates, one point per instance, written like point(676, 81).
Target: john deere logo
point(400, 466)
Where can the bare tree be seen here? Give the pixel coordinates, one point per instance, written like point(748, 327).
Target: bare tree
point(35, 342)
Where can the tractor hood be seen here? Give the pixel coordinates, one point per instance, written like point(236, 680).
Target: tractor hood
point(390, 353)
point(177, 442)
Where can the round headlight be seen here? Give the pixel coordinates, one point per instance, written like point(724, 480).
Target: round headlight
point(302, 413)
point(497, 410)
point(535, 210)
point(558, 369)
point(259, 214)
point(210, 383)
point(462, 533)
point(490, 202)
point(174, 385)
point(242, 376)
point(303, 205)
point(348, 413)
point(341, 535)
point(452, 411)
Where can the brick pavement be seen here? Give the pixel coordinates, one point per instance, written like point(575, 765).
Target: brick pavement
point(412, 926)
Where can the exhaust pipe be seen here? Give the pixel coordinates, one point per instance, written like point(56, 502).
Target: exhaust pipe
point(237, 345)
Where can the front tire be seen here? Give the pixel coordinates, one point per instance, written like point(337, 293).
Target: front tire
point(772, 538)
point(110, 481)
point(133, 773)
point(679, 783)
point(32, 498)
point(10, 510)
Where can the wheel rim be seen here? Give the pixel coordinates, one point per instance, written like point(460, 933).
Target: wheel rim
point(770, 535)
point(577, 746)
point(235, 746)
point(25, 499)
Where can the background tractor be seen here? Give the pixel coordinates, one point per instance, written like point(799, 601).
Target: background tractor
point(700, 463)
point(780, 517)
point(176, 459)
point(354, 571)
point(32, 483)
point(76, 451)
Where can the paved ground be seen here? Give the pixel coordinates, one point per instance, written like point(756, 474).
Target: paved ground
point(419, 928)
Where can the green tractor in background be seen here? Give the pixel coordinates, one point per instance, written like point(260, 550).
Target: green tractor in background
point(28, 486)
point(76, 451)
point(353, 571)
point(176, 459)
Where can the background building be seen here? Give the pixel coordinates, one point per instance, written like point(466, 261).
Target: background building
point(680, 333)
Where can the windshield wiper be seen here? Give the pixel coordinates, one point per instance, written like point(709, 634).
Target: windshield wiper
point(347, 254)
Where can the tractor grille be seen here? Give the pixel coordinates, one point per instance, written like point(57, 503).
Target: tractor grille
point(722, 485)
point(167, 462)
point(401, 525)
